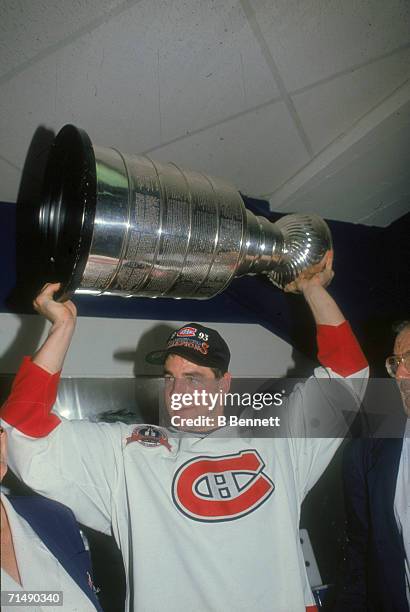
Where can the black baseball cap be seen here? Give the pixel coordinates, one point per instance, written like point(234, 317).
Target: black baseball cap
point(201, 345)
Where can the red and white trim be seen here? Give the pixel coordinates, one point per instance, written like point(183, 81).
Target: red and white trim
point(339, 350)
point(34, 390)
point(32, 396)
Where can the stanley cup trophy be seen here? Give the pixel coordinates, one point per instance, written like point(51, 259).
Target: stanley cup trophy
point(117, 224)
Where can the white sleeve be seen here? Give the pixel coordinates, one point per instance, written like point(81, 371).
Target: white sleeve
point(318, 415)
point(76, 464)
point(321, 411)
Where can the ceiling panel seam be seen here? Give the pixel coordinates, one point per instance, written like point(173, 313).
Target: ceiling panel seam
point(209, 126)
point(86, 29)
point(254, 25)
point(252, 109)
point(96, 23)
point(277, 99)
point(381, 208)
point(9, 163)
point(349, 70)
point(390, 104)
point(293, 92)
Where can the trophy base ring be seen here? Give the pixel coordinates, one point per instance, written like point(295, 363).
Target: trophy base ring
point(67, 211)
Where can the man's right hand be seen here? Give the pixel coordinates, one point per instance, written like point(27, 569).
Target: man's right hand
point(62, 316)
point(55, 312)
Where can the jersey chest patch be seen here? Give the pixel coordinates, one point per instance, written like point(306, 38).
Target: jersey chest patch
point(224, 488)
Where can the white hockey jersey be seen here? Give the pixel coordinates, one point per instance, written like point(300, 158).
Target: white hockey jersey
point(39, 570)
point(204, 523)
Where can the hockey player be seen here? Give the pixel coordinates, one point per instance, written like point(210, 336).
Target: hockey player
point(205, 521)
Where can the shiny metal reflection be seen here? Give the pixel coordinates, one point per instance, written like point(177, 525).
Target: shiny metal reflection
point(127, 225)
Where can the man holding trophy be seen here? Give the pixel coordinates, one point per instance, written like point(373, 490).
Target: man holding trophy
point(232, 547)
point(206, 518)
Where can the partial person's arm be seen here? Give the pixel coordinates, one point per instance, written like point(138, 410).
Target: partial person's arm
point(62, 316)
point(73, 462)
point(321, 410)
point(338, 349)
point(312, 284)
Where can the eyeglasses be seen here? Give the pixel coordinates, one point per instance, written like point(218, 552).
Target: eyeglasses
point(393, 363)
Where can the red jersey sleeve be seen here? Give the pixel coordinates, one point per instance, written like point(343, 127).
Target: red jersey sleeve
point(28, 407)
point(339, 350)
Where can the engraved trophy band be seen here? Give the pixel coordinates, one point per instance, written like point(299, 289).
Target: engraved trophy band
point(116, 224)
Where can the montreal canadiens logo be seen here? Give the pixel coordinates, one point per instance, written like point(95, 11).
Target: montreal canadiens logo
point(187, 332)
point(225, 488)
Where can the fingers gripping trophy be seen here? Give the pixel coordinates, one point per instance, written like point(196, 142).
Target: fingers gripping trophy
point(117, 224)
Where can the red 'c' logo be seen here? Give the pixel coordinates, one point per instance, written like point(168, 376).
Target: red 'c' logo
point(221, 488)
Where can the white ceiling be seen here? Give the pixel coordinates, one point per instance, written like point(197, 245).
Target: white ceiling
point(303, 102)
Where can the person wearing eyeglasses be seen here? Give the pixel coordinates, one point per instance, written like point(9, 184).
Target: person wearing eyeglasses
point(376, 473)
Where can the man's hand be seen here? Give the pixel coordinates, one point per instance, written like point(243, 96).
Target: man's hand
point(318, 275)
point(62, 316)
point(55, 312)
point(312, 283)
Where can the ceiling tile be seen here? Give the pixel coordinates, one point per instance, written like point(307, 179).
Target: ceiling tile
point(187, 80)
point(330, 109)
point(314, 39)
point(210, 67)
point(368, 177)
point(26, 104)
point(10, 179)
point(28, 28)
point(188, 64)
point(256, 151)
point(383, 215)
point(109, 87)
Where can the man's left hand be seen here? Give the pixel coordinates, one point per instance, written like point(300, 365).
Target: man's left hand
point(318, 275)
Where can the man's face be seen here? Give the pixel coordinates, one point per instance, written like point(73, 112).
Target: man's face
point(192, 390)
point(402, 346)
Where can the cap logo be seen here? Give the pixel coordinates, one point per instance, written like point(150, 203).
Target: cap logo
point(187, 332)
point(191, 343)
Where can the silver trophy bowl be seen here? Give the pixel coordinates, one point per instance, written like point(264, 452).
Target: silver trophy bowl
point(117, 224)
